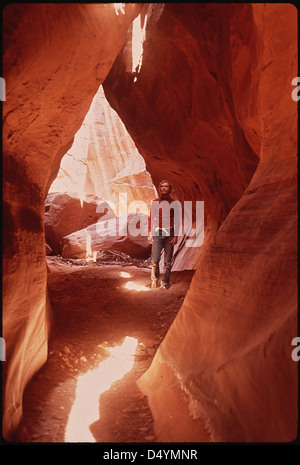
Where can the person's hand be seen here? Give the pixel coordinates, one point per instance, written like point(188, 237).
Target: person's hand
point(150, 237)
point(174, 240)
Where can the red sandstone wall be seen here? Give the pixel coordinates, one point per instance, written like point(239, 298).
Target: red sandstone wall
point(214, 92)
point(55, 58)
point(211, 99)
point(180, 110)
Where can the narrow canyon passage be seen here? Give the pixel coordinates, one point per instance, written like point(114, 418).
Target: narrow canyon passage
point(103, 102)
point(92, 311)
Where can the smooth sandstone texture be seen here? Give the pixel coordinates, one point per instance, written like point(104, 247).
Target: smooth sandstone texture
point(180, 110)
point(55, 58)
point(211, 110)
point(103, 163)
point(65, 214)
point(117, 233)
point(211, 107)
point(104, 160)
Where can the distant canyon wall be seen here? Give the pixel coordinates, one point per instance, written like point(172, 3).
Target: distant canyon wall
point(102, 168)
point(104, 160)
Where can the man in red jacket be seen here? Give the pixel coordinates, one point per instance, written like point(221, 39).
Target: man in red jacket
point(163, 224)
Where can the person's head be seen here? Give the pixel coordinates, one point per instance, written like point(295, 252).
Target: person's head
point(165, 187)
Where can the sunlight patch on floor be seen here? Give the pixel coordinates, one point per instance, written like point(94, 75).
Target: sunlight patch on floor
point(136, 287)
point(91, 385)
point(124, 274)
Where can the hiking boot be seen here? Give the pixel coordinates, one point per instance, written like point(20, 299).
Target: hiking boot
point(153, 283)
point(164, 286)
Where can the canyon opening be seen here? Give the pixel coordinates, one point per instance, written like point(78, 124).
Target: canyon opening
point(102, 103)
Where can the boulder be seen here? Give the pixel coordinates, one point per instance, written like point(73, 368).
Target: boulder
point(65, 214)
point(119, 233)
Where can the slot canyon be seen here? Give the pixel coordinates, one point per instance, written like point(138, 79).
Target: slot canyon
point(103, 101)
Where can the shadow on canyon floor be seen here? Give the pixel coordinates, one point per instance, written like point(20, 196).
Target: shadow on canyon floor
point(92, 310)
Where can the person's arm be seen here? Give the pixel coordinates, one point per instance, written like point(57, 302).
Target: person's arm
point(174, 240)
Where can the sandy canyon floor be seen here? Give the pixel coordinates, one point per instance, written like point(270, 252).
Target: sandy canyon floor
point(82, 393)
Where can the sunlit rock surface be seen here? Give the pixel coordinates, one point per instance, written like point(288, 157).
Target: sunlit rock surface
point(55, 58)
point(104, 160)
point(211, 109)
point(49, 251)
point(65, 214)
point(120, 233)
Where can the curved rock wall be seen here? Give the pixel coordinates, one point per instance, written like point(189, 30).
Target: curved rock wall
point(211, 110)
point(179, 108)
point(55, 58)
point(213, 96)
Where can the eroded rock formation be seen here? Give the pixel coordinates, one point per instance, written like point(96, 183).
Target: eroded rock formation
point(55, 58)
point(213, 96)
point(180, 107)
point(118, 233)
point(103, 163)
point(66, 214)
point(211, 110)
point(104, 160)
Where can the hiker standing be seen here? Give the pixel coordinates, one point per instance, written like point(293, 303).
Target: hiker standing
point(163, 225)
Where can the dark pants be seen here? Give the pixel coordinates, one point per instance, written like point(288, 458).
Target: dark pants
point(162, 242)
